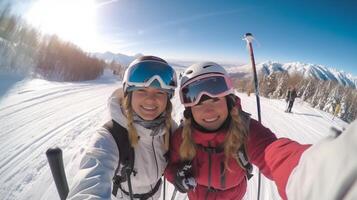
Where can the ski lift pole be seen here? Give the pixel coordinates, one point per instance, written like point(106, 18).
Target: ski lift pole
point(248, 37)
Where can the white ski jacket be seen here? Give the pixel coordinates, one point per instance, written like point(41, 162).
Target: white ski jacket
point(97, 167)
point(327, 170)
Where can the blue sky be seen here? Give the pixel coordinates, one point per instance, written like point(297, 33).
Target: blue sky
point(319, 32)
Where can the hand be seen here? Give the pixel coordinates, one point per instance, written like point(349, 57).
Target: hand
point(184, 180)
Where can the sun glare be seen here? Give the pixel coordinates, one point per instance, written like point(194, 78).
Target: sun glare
point(72, 20)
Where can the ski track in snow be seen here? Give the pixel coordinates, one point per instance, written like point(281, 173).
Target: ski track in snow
point(36, 115)
point(40, 118)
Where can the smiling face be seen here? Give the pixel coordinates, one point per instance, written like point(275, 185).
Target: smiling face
point(149, 102)
point(211, 113)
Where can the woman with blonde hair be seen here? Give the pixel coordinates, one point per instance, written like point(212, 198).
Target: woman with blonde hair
point(212, 152)
point(127, 157)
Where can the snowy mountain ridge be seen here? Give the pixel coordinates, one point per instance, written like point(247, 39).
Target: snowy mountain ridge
point(305, 69)
point(125, 60)
point(117, 57)
point(267, 68)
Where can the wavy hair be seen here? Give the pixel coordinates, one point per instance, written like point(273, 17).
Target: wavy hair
point(235, 138)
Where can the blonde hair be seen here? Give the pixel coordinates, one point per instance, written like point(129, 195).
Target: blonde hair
point(132, 132)
point(187, 149)
point(168, 123)
point(235, 138)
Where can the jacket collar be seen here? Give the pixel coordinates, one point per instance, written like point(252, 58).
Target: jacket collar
point(204, 139)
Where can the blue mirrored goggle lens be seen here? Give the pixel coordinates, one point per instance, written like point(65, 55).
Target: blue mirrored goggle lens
point(212, 85)
point(142, 72)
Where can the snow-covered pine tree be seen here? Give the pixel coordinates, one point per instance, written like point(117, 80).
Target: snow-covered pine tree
point(309, 89)
point(322, 93)
point(333, 98)
point(345, 102)
point(282, 80)
point(268, 84)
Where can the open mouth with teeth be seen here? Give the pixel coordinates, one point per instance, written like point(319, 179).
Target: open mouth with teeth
point(210, 120)
point(149, 108)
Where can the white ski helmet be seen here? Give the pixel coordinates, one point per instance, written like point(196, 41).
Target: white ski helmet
point(150, 71)
point(207, 78)
point(202, 68)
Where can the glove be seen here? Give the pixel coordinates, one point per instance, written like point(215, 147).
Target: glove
point(184, 180)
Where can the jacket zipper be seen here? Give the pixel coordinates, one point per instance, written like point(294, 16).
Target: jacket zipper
point(209, 171)
point(157, 166)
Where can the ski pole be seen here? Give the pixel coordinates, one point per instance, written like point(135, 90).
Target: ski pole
point(248, 37)
point(55, 160)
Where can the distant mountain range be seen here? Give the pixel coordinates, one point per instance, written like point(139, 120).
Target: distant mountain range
point(307, 70)
point(117, 57)
point(125, 60)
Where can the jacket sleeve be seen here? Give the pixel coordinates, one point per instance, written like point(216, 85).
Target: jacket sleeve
point(97, 168)
point(327, 170)
point(174, 159)
point(275, 158)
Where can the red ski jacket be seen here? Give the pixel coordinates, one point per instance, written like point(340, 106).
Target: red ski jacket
point(276, 158)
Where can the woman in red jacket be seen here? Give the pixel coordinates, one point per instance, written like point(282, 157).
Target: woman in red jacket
point(211, 153)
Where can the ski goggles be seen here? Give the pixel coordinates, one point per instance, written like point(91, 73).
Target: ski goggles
point(153, 74)
point(213, 85)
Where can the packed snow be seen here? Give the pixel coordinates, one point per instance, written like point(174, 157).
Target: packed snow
point(37, 114)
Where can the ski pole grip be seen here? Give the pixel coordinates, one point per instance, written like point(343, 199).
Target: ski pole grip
point(54, 157)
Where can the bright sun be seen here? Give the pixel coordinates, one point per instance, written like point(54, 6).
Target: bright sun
point(72, 20)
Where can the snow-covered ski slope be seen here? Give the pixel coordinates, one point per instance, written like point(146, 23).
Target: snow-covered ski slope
point(37, 114)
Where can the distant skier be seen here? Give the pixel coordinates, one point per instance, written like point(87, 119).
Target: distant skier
point(290, 98)
point(337, 109)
